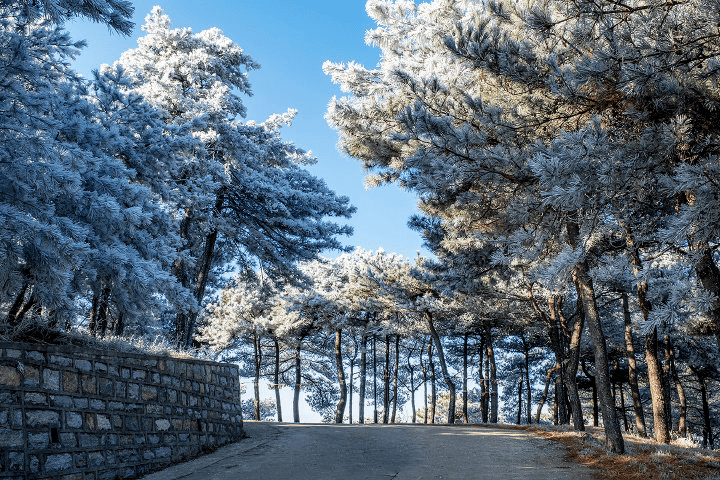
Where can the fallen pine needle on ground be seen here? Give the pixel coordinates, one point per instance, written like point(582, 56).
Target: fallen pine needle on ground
point(644, 458)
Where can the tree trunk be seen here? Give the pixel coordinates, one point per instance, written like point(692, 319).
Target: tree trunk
point(102, 321)
point(443, 367)
point(610, 420)
point(433, 390)
point(707, 425)
point(412, 388)
point(374, 350)
point(528, 406)
point(363, 371)
point(520, 401)
point(682, 422)
point(350, 392)
point(424, 370)
point(276, 380)
point(666, 377)
point(660, 420)
point(92, 324)
point(571, 369)
point(465, 379)
point(483, 373)
point(298, 384)
point(395, 378)
point(543, 397)
point(340, 410)
point(256, 382)
point(657, 391)
point(492, 379)
point(632, 371)
point(386, 381)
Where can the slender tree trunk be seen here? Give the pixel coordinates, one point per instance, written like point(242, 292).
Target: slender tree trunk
point(412, 389)
point(92, 324)
point(256, 382)
point(201, 280)
point(102, 321)
point(632, 371)
point(657, 392)
point(707, 424)
point(386, 381)
point(493, 384)
point(586, 291)
point(666, 377)
point(443, 367)
point(465, 379)
point(12, 316)
point(298, 384)
point(520, 400)
point(374, 349)
point(528, 406)
point(350, 393)
point(543, 397)
point(433, 390)
point(682, 421)
point(276, 380)
point(616, 368)
point(424, 369)
point(557, 341)
point(483, 373)
point(395, 378)
point(363, 371)
point(340, 410)
point(573, 360)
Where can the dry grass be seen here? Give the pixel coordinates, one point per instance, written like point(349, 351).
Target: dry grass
point(644, 459)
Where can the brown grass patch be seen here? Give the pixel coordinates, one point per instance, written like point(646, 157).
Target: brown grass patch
point(644, 459)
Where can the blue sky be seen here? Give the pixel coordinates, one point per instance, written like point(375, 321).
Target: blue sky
point(290, 40)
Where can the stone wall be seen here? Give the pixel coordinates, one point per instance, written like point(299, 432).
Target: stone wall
point(68, 412)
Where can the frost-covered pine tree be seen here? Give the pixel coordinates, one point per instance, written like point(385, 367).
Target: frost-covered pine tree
point(249, 198)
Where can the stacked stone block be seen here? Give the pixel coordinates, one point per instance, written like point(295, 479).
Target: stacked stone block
point(68, 412)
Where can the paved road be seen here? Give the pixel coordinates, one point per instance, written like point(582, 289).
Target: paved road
point(286, 451)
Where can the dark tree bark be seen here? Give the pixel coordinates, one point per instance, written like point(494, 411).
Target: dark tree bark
point(386, 381)
point(433, 389)
point(257, 350)
point(465, 380)
point(709, 274)
point(483, 373)
point(586, 292)
point(632, 370)
point(411, 369)
point(395, 379)
point(520, 401)
point(102, 318)
point(298, 384)
point(492, 378)
point(424, 369)
point(443, 367)
point(571, 370)
point(92, 324)
point(682, 421)
point(12, 320)
point(374, 350)
point(708, 439)
point(543, 397)
point(340, 410)
point(276, 380)
point(363, 371)
point(528, 406)
point(657, 392)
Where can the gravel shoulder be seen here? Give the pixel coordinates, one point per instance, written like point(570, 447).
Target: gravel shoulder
point(283, 451)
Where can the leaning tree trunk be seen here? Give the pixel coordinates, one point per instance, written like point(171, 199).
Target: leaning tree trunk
point(276, 380)
point(363, 371)
point(632, 371)
point(340, 410)
point(298, 384)
point(443, 367)
point(586, 292)
point(543, 397)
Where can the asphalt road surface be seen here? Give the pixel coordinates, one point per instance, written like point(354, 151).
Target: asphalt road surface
point(286, 451)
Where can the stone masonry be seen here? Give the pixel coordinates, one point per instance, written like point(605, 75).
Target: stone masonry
point(72, 413)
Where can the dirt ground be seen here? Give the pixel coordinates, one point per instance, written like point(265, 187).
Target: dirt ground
point(285, 451)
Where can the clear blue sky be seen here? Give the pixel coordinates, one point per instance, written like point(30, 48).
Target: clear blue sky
point(290, 40)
